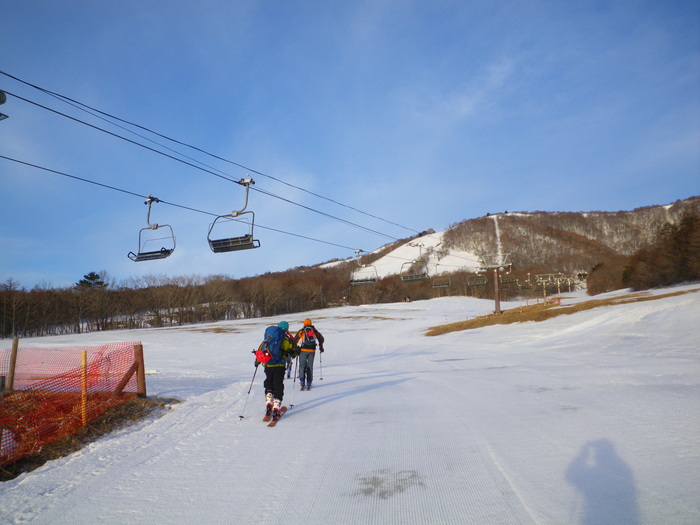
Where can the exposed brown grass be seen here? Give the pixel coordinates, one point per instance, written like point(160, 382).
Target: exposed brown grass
point(542, 312)
point(117, 417)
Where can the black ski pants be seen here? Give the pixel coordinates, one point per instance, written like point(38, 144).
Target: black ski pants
point(274, 381)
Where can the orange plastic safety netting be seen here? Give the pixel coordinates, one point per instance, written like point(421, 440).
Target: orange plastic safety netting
point(56, 391)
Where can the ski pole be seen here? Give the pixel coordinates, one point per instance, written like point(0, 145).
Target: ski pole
point(249, 390)
point(321, 359)
point(294, 384)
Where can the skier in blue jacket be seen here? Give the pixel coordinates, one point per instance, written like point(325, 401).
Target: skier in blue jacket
point(272, 354)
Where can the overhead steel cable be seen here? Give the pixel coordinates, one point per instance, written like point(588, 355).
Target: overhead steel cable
point(121, 137)
point(370, 230)
point(114, 188)
point(251, 170)
point(206, 170)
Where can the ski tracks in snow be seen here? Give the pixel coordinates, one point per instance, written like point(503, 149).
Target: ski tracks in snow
point(125, 472)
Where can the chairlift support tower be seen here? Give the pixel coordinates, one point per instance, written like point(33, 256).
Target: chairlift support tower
point(496, 262)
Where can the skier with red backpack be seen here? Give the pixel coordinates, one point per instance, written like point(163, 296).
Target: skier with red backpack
point(307, 339)
point(272, 353)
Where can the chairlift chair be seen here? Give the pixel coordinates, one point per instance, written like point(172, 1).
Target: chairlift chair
point(441, 282)
point(506, 278)
point(146, 242)
point(3, 98)
point(479, 280)
point(408, 275)
point(241, 242)
point(365, 274)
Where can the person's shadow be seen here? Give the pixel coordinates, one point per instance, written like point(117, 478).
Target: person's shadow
point(606, 483)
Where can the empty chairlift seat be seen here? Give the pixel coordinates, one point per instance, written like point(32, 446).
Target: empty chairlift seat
point(364, 275)
point(156, 241)
point(230, 244)
point(412, 271)
point(240, 222)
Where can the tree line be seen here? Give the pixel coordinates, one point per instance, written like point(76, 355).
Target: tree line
point(96, 303)
point(672, 257)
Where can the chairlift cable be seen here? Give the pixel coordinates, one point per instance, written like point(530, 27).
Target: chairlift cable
point(107, 186)
point(270, 194)
point(114, 188)
point(370, 230)
point(75, 102)
point(207, 169)
point(123, 138)
point(96, 113)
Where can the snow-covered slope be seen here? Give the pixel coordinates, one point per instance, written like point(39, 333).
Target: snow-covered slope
point(438, 259)
point(427, 252)
point(586, 418)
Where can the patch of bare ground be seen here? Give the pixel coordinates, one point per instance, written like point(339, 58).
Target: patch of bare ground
point(544, 311)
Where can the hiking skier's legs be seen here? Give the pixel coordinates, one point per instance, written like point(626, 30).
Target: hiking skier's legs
point(274, 381)
point(303, 365)
point(308, 373)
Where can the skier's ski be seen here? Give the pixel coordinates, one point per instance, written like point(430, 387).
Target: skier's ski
point(274, 421)
point(268, 415)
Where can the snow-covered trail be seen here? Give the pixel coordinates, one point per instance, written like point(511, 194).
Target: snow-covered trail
point(588, 418)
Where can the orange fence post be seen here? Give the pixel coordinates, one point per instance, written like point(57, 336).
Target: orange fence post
point(84, 383)
point(141, 371)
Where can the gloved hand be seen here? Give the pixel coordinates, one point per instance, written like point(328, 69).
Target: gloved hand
point(257, 363)
point(321, 348)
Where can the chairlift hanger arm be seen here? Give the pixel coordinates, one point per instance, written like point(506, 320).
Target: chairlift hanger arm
point(150, 200)
point(243, 182)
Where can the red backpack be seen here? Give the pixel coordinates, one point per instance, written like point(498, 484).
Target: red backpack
point(308, 339)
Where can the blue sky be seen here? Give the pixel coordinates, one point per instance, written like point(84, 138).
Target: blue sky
point(419, 114)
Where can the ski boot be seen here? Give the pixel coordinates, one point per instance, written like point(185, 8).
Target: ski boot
point(268, 403)
point(303, 386)
point(276, 409)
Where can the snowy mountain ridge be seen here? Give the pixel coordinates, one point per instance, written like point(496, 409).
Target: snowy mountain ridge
point(556, 241)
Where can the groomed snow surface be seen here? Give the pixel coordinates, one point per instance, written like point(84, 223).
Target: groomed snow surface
point(588, 418)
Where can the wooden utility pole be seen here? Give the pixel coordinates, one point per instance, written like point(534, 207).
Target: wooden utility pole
point(9, 384)
point(496, 292)
point(140, 371)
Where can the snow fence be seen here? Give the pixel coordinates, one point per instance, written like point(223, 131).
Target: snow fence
point(49, 393)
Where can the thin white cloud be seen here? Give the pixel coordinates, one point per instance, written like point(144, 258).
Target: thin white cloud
point(442, 109)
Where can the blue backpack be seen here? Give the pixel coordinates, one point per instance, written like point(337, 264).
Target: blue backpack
point(271, 344)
